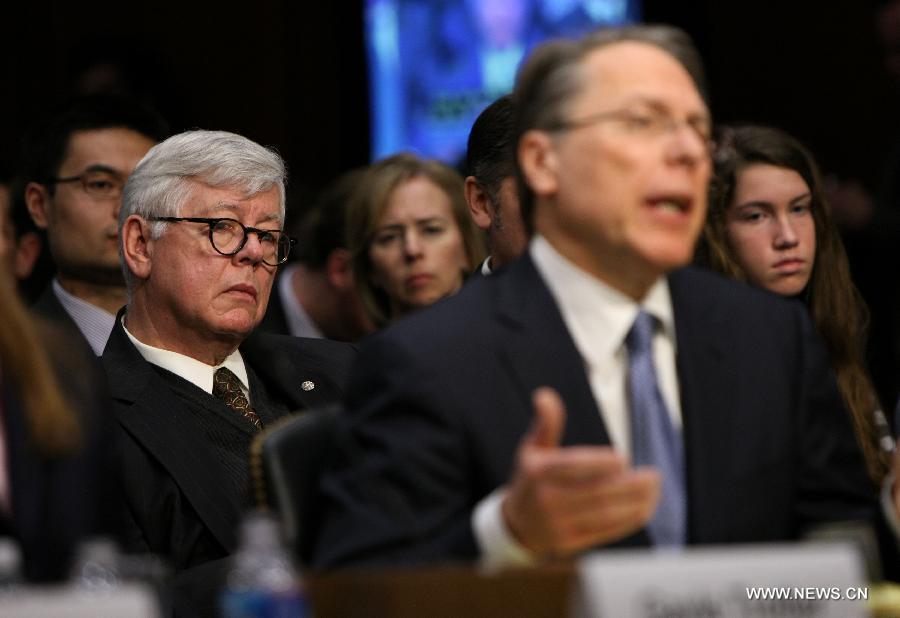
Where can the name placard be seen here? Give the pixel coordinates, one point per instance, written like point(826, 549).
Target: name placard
point(132, 600)
point(817, 579)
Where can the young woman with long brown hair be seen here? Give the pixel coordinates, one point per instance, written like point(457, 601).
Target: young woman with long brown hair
point(769, 225)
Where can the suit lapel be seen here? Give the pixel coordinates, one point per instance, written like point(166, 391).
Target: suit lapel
point(288, 374)
point(538, 350)
point(156, 418)
point(48, 307)
point(708, 380)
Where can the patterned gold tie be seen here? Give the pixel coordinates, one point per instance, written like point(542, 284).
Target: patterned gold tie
point(227, 387)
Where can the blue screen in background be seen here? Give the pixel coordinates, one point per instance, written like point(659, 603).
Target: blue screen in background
point(435, 64)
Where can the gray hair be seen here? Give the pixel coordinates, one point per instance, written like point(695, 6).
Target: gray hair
point(162, 182)
point(552, 77)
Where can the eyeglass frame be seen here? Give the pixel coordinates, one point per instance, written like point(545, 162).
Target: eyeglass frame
point(101, 169)
point(247, 230)
point(665, 124)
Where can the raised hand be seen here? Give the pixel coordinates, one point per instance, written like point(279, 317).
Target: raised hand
point(565, 499)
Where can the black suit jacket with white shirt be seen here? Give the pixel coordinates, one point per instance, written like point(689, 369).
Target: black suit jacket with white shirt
point(437, 405)
point(180, 501)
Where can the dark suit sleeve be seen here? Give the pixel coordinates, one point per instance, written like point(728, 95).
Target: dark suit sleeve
point(833, 484)
point(406, 499)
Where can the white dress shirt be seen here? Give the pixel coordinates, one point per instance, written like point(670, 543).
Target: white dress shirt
point(598, 318)
point(196, 372)
point(95, 323)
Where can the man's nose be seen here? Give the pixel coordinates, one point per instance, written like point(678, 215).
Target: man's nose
point(252, 251)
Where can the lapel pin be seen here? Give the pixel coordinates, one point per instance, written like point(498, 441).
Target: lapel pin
point(308, 385)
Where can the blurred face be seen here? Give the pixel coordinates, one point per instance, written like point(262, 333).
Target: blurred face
point(198, 296)
point(81, 223)
point(417, 250)
point(621, 192)
point(770, 228)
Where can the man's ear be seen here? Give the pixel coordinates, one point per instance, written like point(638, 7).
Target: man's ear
point(539, 162)
point(339, 269)
point(37, 199)
point(137, 247)
point(28, 248)
point(479, 203)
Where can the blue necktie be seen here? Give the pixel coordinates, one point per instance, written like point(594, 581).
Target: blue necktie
point(654, 441)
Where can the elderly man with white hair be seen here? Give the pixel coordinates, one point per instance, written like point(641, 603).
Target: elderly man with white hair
point(201, 231)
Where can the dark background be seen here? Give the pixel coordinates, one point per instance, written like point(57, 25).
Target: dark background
point(292, 75)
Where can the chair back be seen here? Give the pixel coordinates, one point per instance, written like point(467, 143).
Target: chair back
point(286, 461)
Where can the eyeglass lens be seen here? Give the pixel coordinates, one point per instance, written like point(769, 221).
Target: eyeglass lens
point(228, 238)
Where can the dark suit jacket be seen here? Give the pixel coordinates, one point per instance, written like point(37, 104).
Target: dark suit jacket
point(60, 500)
point(48, 307)
point(173, 484)
point(438, 403)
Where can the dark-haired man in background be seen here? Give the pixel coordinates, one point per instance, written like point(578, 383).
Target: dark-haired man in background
point(76, 163)
point(314, 296)
point(491, 183)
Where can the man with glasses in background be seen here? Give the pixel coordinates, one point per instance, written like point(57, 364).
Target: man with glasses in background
point(201, 232)
point(76, 162)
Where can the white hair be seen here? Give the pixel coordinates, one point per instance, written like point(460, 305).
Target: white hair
point(162, 182)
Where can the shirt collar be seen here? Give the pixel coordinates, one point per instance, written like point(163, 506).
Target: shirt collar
point(94, 322)
point(192, 370)
point(597, 315)
point(486, 267)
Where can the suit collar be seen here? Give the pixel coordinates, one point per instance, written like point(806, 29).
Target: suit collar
point(194, 371)
point(538, 351)
point(597, 315)
point(278, 360)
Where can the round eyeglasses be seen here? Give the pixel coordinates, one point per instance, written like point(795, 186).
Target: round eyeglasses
point(228, 236)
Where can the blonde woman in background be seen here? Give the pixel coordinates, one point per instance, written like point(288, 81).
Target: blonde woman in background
point(411, 236)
